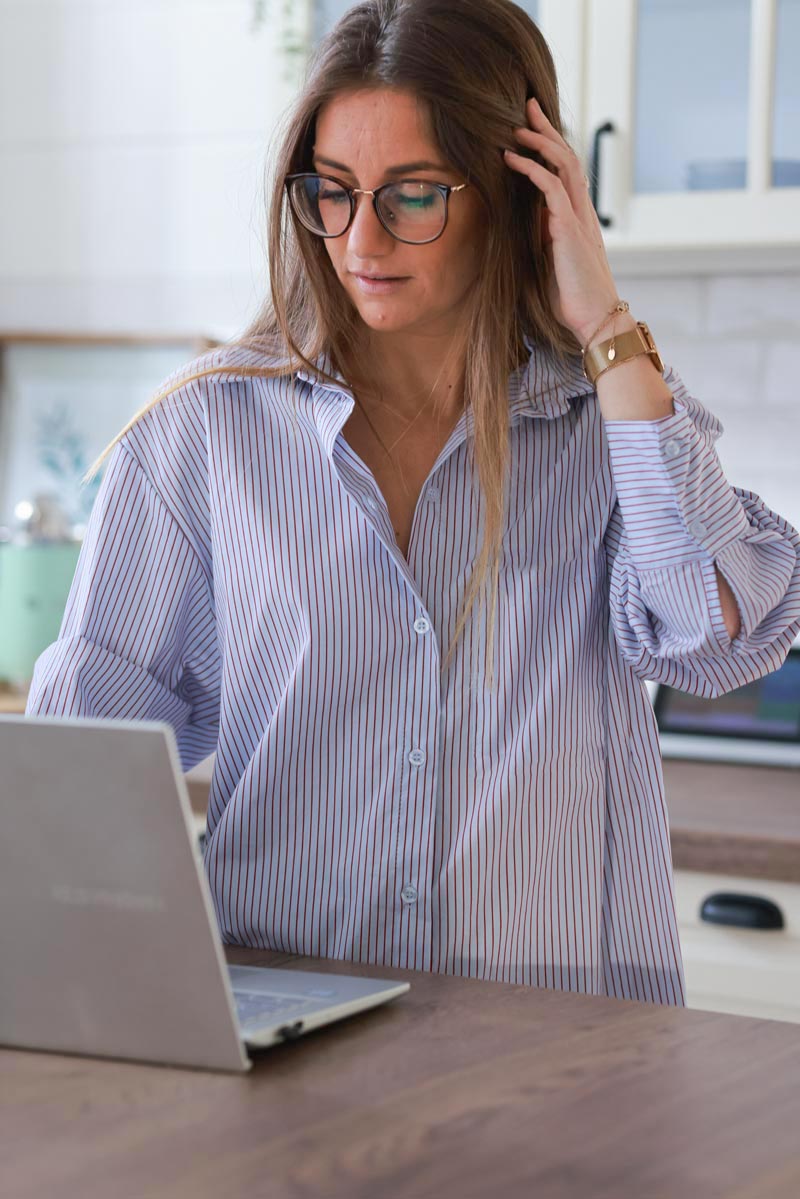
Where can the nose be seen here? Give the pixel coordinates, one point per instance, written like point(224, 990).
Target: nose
point(367, 234)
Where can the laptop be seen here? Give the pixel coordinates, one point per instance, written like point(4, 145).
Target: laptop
point(757, 725)
point(110, 941)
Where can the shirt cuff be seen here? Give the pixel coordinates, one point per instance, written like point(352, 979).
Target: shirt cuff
point(677, 506)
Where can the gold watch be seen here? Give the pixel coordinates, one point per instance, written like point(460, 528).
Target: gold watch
point(621, 348)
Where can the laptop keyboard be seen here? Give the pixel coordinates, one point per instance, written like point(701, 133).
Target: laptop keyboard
point(256, 1007)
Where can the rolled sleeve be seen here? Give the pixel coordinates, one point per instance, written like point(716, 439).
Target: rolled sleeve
point(677, 519)
point(138, 637)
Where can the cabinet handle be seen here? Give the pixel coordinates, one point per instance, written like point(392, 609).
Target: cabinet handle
point(741, 911)
point(594, 169)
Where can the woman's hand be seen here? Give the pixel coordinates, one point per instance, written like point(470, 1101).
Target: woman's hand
point(583, 291)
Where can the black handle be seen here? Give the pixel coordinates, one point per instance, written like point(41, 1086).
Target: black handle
point(594, 169)
point(741, 911)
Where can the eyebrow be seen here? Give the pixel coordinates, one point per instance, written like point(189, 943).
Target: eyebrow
point(423, 165)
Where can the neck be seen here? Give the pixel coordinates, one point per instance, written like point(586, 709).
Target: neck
point(408, 379)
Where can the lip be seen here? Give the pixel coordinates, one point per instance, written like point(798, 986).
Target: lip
point(378, 287)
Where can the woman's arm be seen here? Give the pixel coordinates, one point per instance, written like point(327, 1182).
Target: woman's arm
point(677, 529)
point(635, 391)
point(138, 637)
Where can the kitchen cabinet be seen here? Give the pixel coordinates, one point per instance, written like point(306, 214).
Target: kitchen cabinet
point(686, 114)
point(735, 831)
point(741, 971)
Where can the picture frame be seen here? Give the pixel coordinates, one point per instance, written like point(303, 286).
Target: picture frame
point(63, 398)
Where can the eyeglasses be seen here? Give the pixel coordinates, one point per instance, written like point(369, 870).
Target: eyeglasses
point(412, 210)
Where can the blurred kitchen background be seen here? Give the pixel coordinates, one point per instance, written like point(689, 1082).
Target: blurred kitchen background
point(134, 157)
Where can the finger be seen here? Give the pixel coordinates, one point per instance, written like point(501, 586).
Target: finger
point(555, 193)
point(565, 159)
point(537, 116)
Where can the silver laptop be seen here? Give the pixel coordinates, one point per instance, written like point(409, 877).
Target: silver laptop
point(756, 725)
point(110, 944)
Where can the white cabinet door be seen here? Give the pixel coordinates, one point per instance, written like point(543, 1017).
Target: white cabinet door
point(744, 971)
point(695, 107)
point(563, 23)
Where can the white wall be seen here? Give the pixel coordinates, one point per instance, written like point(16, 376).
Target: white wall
point(735, 342)
point(133, 138)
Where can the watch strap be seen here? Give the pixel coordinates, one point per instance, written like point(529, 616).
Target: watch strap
point(623, 347)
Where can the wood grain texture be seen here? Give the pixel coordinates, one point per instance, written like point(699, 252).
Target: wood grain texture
point(459, 1088)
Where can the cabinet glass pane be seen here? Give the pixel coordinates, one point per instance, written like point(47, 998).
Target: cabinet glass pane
point(691, 95)
point(786, 136)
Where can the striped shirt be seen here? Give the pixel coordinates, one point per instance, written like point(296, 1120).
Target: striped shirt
point(240, 580)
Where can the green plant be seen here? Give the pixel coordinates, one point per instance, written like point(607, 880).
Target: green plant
point(291, 18)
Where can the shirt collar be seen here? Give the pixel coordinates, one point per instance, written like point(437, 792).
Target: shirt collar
point(541, 387)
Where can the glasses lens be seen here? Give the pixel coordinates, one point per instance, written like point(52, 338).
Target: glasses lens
point(322, 205)
point(413, 211)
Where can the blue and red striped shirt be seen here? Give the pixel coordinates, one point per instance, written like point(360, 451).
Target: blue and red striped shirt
point(240, 579)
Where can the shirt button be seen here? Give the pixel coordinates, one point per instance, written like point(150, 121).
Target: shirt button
point(698, 529)
point(409, 894)
point(416, 757)
point(672, 447)
point(372, 504)
point(433, 495)
point(421, 624)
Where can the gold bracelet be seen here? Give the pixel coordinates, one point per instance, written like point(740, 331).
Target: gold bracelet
point(620, 306)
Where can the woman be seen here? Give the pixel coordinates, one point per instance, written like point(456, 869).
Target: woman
point(278, 557)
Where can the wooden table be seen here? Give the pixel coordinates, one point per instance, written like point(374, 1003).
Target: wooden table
point(459, 1088)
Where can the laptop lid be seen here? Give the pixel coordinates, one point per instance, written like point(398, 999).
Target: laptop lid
point(110, 941)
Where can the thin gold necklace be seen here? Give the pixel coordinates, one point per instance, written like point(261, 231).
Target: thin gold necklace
point(380, 440)
point(388, 449)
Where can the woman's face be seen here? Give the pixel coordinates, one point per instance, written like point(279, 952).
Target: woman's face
point(360, 136)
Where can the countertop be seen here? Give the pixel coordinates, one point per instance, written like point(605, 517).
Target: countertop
point(733, 819)
point(458, 1088)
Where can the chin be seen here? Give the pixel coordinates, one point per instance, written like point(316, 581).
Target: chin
point(385, 316)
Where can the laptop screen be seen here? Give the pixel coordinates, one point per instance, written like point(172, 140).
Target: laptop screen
point(766, 710)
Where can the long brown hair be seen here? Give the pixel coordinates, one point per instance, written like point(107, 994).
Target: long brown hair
point(471, 64)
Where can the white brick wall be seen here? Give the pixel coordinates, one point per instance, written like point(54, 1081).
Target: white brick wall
point(735, 342)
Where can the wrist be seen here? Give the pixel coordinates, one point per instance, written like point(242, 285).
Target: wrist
point(621, 322)
point(601, 323)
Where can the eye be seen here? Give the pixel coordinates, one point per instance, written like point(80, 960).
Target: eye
point(332, 193)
